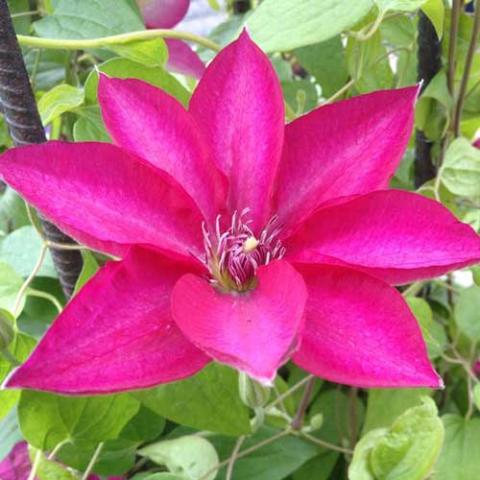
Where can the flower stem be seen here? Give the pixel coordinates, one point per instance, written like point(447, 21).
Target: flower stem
point(233, 457)
point(36, 464)
point(28, 281)
point(123, 38)
point(467, 69)
point(93, 461)
point(297, 421)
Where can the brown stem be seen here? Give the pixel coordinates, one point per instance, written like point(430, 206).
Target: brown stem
point(466, 71)
point(429, 64)
point(21, 115)
point(452, 46)
point(297, 421)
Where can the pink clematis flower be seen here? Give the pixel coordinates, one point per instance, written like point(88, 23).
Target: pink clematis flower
point(242, 240)
point(166, 14)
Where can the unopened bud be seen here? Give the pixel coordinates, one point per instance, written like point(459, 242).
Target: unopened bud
point(252, 393)
point(7, 332)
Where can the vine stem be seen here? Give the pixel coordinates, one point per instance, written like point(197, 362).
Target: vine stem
point(452, 46)
point(466, 71)
point(28, 281)
point(36, 464)
point(123, 38)
point(18, 106)
point(291, 390)
point(297, 421)
point(233, 457)
point(247, 451)
point(93, 461)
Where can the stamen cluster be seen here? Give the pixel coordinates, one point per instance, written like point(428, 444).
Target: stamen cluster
point(232, 256)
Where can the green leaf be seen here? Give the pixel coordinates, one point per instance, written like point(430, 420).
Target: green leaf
point(8, 399)
point(20, 348)
point(47, 68)
point(459, 459)
point(60, 99)
point(207, 401)
point(336, 408)
point(460, 171)
point(279, 25)
point(435, 11)
point(467, 312)
point(123, 68)
point(10, 285)
point(89, 269)
point(301, 95)
point(49, 469)
point(157, 476)
point(367, 61)
point(385, 405)
point(47, 420)
point(145, 426)
point(431, 113)
point(152, 52)
point(360, 466)
point(89, 19)
point(116, 458)
point(399, 5)
point(89, 127)
point(476, 395)
point(272, 462)
point(21, 250)
point(190, 457)
point(433, 333)
point(407, 451)
point(326, 62)
point(318, 468)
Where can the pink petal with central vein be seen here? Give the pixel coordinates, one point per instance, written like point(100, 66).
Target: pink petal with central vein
point(255, 331)
point(116, 334)
point(345, 148)
point(153, 125)
point(395, 235)
point(239, 104)
point(359, 331)
point(105, 197)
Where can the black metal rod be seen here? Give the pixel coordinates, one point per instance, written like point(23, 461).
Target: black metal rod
point(429, 64)
point(18, 105)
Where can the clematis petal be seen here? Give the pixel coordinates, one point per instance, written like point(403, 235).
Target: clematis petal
point(239, 104)
point(345, 148)
point(104, 197)
point(116, 334)
point(182, 59)
point(395, 235)
point(152, 124)
point(254, 331)
point(359, 331)
point(163, 13)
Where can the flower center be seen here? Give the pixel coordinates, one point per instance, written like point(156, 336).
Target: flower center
point(232, 255)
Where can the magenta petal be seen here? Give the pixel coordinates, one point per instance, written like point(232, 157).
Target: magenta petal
point(116, 334)
point(255, 331)
point(239, 104)
point(359, 331)
point(152, 124)
point(395, 235)
point(344, 148)
point(163, 13)
point(104, 197)
point(182, 59)
point(16, 465)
